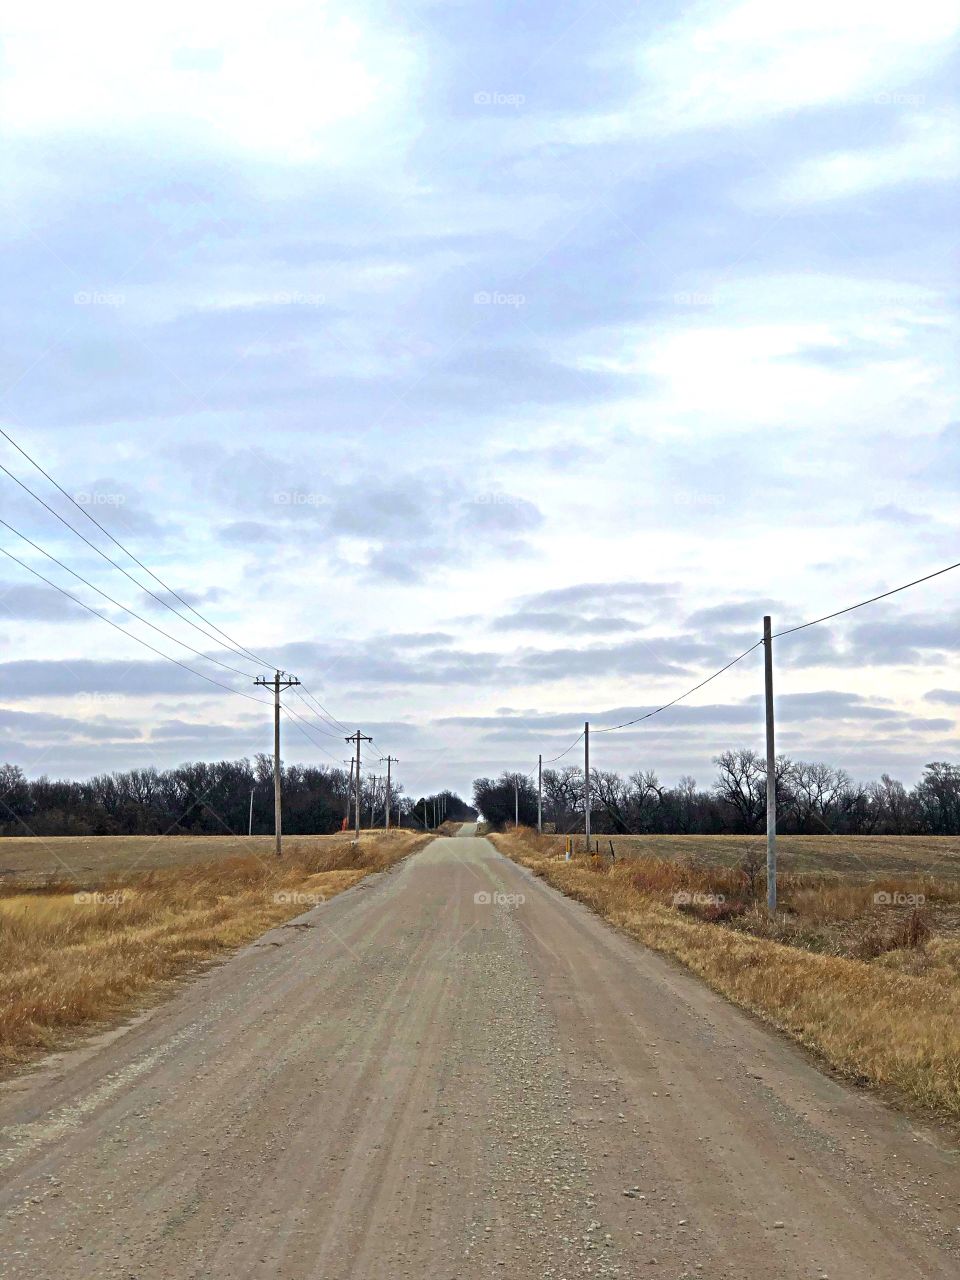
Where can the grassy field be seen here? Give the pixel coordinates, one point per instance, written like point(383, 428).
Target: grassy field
point(858, 857)
point(863, 967)
point(39, 860)
point(90, 944)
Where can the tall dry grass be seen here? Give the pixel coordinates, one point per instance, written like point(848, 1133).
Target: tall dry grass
point(76, 953)
point(874, 990)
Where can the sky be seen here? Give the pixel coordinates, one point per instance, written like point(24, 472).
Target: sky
point(490, 367)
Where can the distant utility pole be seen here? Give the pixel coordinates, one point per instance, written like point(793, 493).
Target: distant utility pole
point(357, 737)
point(540, 795)
point(516, 800)
point(250, 823)
point(771, 769)
point(586, 782)
point(280, 681)
point(388, 761)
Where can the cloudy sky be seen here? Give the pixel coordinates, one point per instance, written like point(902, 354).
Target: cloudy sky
point(490, 366)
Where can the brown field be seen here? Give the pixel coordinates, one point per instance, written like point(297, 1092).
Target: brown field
point(89, 942)
point(39, 859)
point(857, 857)
point(872, 985)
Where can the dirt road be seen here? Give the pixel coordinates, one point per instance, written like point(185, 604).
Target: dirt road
point(426, 1077)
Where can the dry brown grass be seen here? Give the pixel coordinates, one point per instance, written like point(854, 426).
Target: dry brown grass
point(84, 950)
point(38, 860)
point(853, 857)
point(874, 989)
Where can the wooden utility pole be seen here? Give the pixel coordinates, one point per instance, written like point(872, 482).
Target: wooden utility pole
point(540, 795)
point(280, 681)
point(771, 768)
point(586, 782)
point(357, 737)
point(250, 823)
point(388, 761)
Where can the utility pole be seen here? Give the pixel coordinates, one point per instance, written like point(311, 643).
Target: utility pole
point(357, 737)
point(280, 681)
point(250, 823)
point(771, 769)
point(388, 761)
point(540, 795)
point(586, 782)
point(516, 800)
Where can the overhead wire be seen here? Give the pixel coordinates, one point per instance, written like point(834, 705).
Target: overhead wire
point(850, 608)
point(93, 546)
point(139, 640)
point(237, 647)
point(126, 609)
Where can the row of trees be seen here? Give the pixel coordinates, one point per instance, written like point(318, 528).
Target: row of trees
point(812, 797)
point(204, 799)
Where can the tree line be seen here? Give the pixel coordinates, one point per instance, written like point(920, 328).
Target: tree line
point(812, 798)
point(206, 798)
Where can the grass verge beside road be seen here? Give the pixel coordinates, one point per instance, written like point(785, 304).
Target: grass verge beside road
point(874, 988)
point(84, 951)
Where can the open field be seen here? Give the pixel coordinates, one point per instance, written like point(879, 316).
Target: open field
point(86, 948)
point(457, 1071)
point(861, 857)
point(871, 985)
point(41, 859)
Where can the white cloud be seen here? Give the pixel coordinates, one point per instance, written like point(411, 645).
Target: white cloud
point(724, 65)
point(281, 81)
point(929, 152)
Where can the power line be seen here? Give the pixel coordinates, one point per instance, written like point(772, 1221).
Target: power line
point(882, 596)
point(579, 738)
point(647, 715)
point(93, 546)
point(329, 715)
point(321, 726)
point(132, 612)
point(116, 626)
point(232, 643)
point(298, 721)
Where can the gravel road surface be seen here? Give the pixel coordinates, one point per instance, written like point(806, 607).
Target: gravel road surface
point(452, 1071)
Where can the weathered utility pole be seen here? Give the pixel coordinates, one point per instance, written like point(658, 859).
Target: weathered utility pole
point(357, 737)
point(250, 823)
point(388, 761)
point(586, 782)
point(771, 768)
point(540, 795)
point(516, 800)
point(280, 681)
